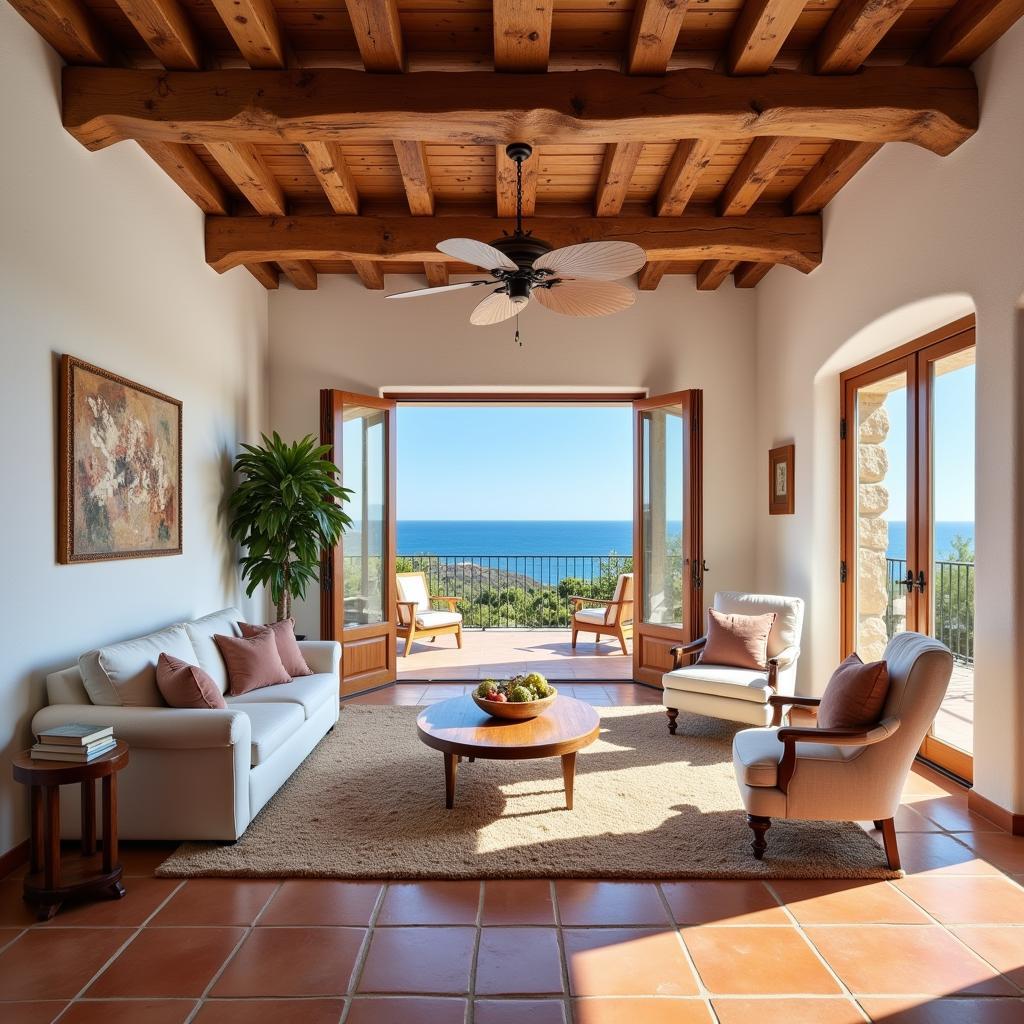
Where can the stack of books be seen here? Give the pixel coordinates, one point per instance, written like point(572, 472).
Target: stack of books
point(74, 742)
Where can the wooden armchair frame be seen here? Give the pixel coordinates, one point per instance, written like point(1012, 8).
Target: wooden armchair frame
point(409, 630)
point(620, 629)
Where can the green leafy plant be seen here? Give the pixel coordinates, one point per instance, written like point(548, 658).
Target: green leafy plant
point(285, 512)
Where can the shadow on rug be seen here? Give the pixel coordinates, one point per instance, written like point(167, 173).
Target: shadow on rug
point(369, 803)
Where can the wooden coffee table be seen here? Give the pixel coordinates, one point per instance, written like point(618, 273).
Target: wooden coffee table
point(458, 728)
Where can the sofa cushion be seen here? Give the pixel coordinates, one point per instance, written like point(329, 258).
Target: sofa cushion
point(855, 695)
point(737, 640)
point(720, 681)
point(186, 686)
point(309, 692)
point(271, 725)
point(756, 754)
point(124, 674)
point(427, 620)
point(252, 661)
point(201, 632)
point(287, 646)
point(596, 615)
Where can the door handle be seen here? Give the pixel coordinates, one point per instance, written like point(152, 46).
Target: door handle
point(704, 566)
point(908, 582)
point(920, 581)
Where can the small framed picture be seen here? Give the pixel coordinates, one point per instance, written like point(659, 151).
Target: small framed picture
point(780, 481)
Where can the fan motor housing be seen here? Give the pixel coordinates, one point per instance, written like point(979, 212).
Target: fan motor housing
point(522, 250)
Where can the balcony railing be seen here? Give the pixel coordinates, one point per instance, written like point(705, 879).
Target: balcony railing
point(952, 595)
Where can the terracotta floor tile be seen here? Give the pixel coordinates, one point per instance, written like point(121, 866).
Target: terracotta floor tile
point(55, 963)
point(167, 962)
point(407, 1010)
point(519, 1011)
point(1003, 947)
point(216, 901)
point(426, 960)
point(31, 1013)
point(130, 1011)
point(430, 903)
point(14, 911)
point(898, 959)
point(292, 962)
point(787, 1011)
point(640, 1011)
point(730, 902)
point(951, 814)
point(270, 1011)
point(142, 897)
point(921, 1010)
point(627, 961)
point(526, 901)
point(322, 901)
point(939, 853)
point(979, 900)
point(844, 902)
point(8, 935)
point(519, 961)
point(775, 961)
point(1006, 852)
point(609, 903)
point(141, 859)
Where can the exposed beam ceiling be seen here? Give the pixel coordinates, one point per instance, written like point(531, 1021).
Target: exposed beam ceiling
point(412, 159)
point(713, 272)
point(437, 274)
point(522, 34)
point(245, 166)
point(69, 28)
point(970, 28)
point(370, 273)
point(300, 273)
point(842, 161)
point(331, 170)
point(650, 276)
point(854, 30)
point(505, 183)
point(762, 162)
point(253, 26)
point(689, 161)
point(167, 31)
point(653, 35)
point(759, 34)
point(748, 275)
point(378, 33)
point(190, 174)
point(620, 160)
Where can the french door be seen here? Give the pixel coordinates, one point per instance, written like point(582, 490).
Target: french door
point(668, 564)
point(357, 580)
point(907, 559)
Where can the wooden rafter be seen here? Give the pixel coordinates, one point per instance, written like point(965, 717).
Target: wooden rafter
point(166, 30)
point(795, 241)
point(412, 160)
point(749, 275)
point(763, 160)
point(650, 276)
point(653, 35)
point(713, 272)
point(370, 273)
point(332, 171)
point(378, 33)
point(688, 163)
point(437, 274)
point(854, 30)
point(190, 174)
point(936, 108)
point(266, 273)
point(300, 273)
point(620, 160)
point(505, 183)
point(842, 160)
point(244, 165)
point(68, 27)
point(760, 33)
point(522, 34)
point(970, 28)
point(253, 26)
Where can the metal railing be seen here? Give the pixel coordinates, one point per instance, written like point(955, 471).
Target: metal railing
point(952, 597)
point(518, 591)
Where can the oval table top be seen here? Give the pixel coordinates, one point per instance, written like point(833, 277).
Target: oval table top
point(458, 726)
point(40, 772)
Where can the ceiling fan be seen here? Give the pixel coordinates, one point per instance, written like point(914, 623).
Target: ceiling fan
point(576, 280)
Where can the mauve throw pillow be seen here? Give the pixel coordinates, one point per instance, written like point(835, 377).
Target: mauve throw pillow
point(287, 646)
point(739, 641)
point(252, 662)
point(855, 695)
point(186, 686)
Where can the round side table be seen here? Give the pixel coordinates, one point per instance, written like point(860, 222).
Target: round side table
point(50, 882)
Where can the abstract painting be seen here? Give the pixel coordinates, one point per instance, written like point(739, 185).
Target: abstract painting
point(120, 467)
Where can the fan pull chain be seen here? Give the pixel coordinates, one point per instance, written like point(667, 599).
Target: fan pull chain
point(518, 342)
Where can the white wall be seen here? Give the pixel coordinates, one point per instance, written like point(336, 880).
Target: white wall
point(101, 256)
point(344, 336)
point(912, 243)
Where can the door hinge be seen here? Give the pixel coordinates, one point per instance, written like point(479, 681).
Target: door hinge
point(842, 429)
point(842, 572)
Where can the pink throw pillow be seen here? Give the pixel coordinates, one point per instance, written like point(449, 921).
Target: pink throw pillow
point(740, 641)
point(186, 686)
point(855, 695)
point(287, 646)
point(252, 662)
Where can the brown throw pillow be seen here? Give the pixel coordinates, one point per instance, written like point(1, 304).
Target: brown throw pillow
point(186, 686)
point(287, 646)
point(740, 641)
point(252, 662)
point(855, 695)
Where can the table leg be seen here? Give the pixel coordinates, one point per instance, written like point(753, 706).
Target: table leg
point(451, 768)
point(569, 777)
point(88, 818)
point(109, 822)
point(51, 848)
point(36, 849)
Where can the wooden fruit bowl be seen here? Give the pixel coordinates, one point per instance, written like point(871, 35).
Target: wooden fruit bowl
point(518, 712)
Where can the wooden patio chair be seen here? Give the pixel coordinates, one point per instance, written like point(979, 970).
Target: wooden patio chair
point(613, 618)
point(415, 616)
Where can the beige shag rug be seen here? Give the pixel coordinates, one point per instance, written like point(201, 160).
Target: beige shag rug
point(369, 803)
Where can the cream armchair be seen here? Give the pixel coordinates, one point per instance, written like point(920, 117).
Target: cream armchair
point(612, 618)
point(417, 618)
point(737, 694)
point(845, 774)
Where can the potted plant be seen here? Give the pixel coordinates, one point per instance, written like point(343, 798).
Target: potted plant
point(285, 512)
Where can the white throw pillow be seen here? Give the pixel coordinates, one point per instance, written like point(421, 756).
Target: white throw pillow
point(208, 656)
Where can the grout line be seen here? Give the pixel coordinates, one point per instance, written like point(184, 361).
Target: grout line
point(477, 940)
point(364, 950)
point(678, 931)
point(562, 954)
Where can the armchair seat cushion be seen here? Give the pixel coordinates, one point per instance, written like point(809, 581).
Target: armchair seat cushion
point(756, 754)
point(720, 681)
point(595, 615)
point(271, 725)
point(308, 692)
point(434, 620)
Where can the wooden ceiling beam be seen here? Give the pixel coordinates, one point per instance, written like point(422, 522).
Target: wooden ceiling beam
point(253, 26)
point(300, 273)
point(749, 275)
point(69, 28)
point(370, 273)
point(505, 183)
point(620, 160)
point(688, 163)
point(378, 34)
point(437, 274)
point(412, 161)
point(650, 276)
point(712, 273)
point(653, 35)
point(189, 173)
point(762, 161)
point(936, 108)
point(842, 160)
point(266, 273)
point(244, 165)
point(852, 33)
point(166, 30)
point(522, 35)
point(760, 33)
point(969, 29)
point(795, 241)
point(333, 173)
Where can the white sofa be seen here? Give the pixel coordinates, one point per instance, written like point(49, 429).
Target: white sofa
point(193, 774)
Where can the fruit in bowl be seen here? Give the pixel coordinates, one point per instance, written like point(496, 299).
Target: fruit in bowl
point(522, 696)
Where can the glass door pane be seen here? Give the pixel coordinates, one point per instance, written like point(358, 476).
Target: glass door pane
point(662, 512)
